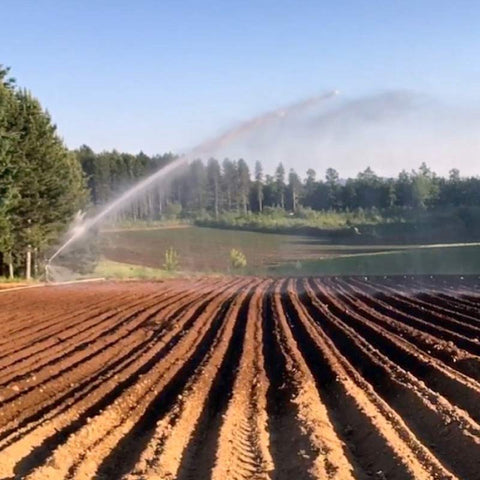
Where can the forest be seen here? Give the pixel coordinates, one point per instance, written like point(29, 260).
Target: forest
point(214, 188)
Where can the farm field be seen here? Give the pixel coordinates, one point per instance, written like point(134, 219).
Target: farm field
point(242, 378)
point(207, 250)
point(454, 259)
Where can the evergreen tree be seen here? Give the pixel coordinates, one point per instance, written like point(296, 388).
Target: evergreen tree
point(213, 179)
point(332, 181)
point(309, 189)
point(243, 173)
point(294, 187)
point(8, 193)
point(196, 187)
point(259, 185)
point(280, 185)
point(90, 163)
point(42, 185)
point(229, 170)
point(269, 191)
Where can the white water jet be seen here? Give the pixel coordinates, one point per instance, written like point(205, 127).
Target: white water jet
point(113, 206)
point(205, 148)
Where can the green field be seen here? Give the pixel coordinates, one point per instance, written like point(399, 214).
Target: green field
point(207, 250)
point(445, 260)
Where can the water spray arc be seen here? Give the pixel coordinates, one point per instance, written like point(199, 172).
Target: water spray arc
point(260, 121)
point(208, 147)
point(116, 204)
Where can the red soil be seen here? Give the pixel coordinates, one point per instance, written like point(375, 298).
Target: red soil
point(242, 378)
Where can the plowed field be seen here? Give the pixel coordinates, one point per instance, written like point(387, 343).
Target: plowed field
point(242, 378)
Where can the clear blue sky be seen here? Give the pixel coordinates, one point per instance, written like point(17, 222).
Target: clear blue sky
point(163, 75)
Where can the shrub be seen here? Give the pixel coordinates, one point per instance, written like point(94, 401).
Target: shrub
point(238, 259)
point(274, 212)
point(306, 213)
point(173, 210)
point(171, 260)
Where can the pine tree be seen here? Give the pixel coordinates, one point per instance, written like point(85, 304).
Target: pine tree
point(310, 183)
point(259, 185)
point(332, 180)
point(196, 184)
point(8, 192)
point(229, 182)
point(213, 183)
point(243, 173)
point(280, 185)
point(41, 183)
point(294, 186)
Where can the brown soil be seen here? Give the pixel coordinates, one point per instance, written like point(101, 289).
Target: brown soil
point(242, 378)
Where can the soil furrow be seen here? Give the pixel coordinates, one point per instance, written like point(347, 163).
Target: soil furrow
point(242, 451)
point(452, 321)
point(81, 454)
point(376, 437)
point(385, 304)
point(290, 446)
point(62, 346)
point(163, 455)
point(199, 456)
point(110, 386)
point(127, 452)
point(457, 388)
point(421, 410)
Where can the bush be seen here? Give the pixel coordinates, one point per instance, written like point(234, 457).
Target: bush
point(274, 212)
point(171, 260)
point(173, 210)
point(306, 213)
point(238, 259)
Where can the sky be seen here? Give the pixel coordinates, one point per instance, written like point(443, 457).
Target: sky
point(166, 75)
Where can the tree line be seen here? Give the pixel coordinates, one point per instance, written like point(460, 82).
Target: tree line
point(41, 182)
point(215, 187)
